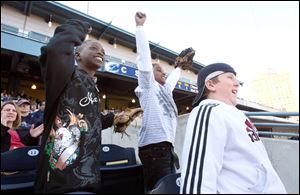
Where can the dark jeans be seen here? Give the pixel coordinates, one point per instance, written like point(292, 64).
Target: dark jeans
point(157, 160)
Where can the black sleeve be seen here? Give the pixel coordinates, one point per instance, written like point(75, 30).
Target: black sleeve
point(57, 61)
point(107, 120)
point(4, 130)
point(5, 138)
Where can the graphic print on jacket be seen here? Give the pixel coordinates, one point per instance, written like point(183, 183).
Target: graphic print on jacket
point(63, 143)
point(252, 131)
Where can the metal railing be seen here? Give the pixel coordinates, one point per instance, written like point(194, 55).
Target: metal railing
point(286, 124)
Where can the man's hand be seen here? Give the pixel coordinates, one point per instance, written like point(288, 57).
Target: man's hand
point(140, 18)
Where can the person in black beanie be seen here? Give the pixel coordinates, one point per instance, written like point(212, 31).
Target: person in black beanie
point(222, 152)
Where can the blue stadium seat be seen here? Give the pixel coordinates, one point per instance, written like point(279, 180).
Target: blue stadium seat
point(169, 184)
point(18, 169)
point(119, 170)
point(115, 156)
point(120, 173)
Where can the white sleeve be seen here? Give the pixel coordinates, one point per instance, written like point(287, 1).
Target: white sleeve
point(203, 152)
point(145, 75)
point(173, 78)
point(144, 62)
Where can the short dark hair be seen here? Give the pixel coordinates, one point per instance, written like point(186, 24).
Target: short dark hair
point(84, 44)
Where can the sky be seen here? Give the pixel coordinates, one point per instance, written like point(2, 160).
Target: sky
point(252, 37)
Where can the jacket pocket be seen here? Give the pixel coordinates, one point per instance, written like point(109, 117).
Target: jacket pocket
point(261, 179)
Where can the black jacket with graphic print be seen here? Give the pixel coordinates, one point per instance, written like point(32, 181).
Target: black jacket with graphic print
point(70, 148)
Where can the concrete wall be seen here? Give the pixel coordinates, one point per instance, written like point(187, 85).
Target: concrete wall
point(284, 154)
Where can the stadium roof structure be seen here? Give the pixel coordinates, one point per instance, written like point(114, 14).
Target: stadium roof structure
point(60, 13)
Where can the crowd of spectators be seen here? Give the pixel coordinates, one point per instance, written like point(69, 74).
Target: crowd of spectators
point(21, 120)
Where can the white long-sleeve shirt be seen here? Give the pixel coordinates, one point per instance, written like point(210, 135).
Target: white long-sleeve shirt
point(160, 112)
point(223, 153)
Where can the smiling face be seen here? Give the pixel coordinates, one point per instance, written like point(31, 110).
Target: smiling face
point(90, 55)
point(24, 109)
point(10, 115)
point(159, 74)
point(225, 89)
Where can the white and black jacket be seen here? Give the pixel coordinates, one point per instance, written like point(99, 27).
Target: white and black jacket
point(223, 153)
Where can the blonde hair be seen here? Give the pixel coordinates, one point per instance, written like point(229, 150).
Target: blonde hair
point(17, 122)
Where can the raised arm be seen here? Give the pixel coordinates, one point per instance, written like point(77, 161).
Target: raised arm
point(143, 51)
point(173, 78)
point(58, 62)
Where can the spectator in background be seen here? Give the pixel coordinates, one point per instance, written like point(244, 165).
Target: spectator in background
point(28, 120)
point(22, 94)
point(4, 96)
point(39, 114)
point(10, 121)
point(33, 106)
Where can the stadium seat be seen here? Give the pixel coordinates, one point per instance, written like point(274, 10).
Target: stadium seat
point(79, 192)
point(120, 172)
point(170, 184)
point(122, 180)
point(114, 156)
point(18, 169)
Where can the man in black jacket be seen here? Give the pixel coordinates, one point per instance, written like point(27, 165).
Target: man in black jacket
point(70, 147)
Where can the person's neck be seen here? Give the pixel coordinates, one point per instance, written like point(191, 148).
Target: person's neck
point(221, 99)
point(9, 124)
point(90, 72)
point(24, 114)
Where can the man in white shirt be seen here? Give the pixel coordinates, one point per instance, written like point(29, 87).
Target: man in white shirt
point(159, 122)
point(222, 152)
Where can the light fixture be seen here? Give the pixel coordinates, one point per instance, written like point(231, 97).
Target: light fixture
point(50, 21)
point(104, 96)
point(33, 86)
point(115, 43)
point(133, 100)
point(158, 59)
point(187, 108)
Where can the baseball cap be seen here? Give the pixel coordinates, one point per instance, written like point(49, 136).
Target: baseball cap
point(207, 73)
point(23, 101)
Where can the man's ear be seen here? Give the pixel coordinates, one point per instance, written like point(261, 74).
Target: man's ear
point(210, 85)
point(77, 56)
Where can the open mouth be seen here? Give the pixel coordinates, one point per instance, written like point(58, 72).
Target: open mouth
point(99, 59)
point(234, 91)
